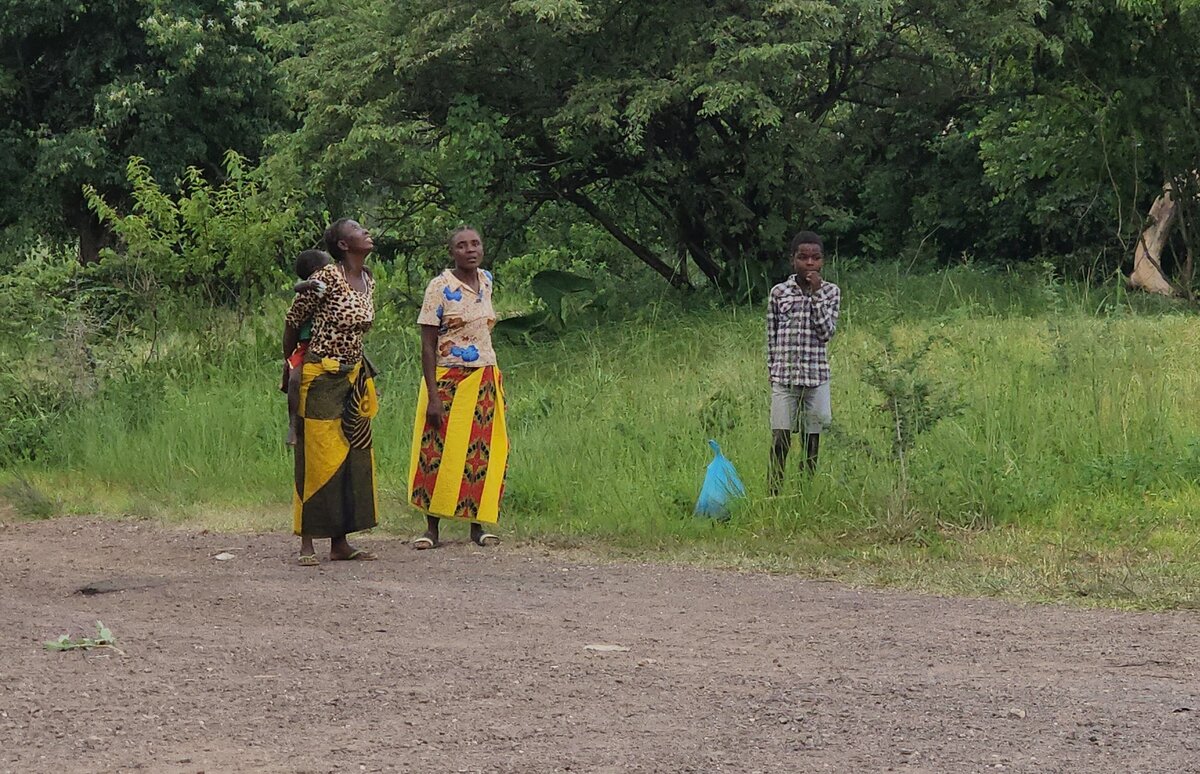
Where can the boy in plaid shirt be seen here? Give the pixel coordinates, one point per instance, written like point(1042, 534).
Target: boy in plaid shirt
point(801, 318)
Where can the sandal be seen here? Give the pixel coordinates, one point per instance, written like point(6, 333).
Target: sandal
point(357, 555)
point(424, 543)
point(486, 539)
point(308, 560)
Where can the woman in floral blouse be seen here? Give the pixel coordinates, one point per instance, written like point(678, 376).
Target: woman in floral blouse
point(460, 440)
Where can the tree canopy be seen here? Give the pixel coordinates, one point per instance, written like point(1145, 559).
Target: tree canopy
point(696, 136)
point(89, 85)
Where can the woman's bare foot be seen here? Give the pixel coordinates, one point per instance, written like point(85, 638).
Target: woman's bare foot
point(426, 541)
point(340, 550)
point(308, 554)
point(481, 538)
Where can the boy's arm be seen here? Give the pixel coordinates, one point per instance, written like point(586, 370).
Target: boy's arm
point(772, 330)
point(826, 306)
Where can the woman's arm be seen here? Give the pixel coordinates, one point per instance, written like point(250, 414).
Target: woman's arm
point(435, 412)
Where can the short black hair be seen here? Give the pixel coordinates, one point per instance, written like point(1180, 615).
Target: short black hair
point(308, 261)
point(806, 238)
point(333, 235)
point(454, 232)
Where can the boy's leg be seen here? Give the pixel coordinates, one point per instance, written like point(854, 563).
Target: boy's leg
point(817, 416)
point(813, 445)
point(293, 401)
point(784, 405)
point(781, 442)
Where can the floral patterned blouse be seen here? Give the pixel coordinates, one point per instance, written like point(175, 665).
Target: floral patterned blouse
point(339, 317)
point(464, 320)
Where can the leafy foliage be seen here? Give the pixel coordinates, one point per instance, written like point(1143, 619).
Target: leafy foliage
point(90, 84)
point(694, 135)
point(912, 402)
point(226, 243)
point(692, 139)
point(551, 288)
point(104, 639)
point(1095, 119)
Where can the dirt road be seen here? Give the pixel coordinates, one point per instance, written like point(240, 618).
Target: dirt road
point(473, 660)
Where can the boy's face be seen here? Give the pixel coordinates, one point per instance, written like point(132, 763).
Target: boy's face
point(808, 258)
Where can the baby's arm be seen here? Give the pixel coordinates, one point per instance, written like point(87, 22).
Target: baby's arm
point(304, 286)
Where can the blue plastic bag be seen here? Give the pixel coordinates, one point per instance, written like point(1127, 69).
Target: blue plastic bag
point(721, 487)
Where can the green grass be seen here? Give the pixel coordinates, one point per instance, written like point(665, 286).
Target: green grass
point(1062, 462)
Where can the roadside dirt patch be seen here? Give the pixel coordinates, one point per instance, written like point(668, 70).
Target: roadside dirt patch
point(481, 660)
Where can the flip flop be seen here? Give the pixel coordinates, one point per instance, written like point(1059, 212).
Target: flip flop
point(424, 543)
point(308, 560)
point(486, 539)
point(357, 555)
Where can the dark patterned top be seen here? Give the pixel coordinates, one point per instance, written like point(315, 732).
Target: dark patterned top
point(340, 316)
point(799, 326)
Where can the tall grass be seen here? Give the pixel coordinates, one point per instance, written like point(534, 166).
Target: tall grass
point(1067, 436)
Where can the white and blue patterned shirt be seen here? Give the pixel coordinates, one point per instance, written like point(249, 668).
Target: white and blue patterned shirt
point(799, 326)
point(464, 319)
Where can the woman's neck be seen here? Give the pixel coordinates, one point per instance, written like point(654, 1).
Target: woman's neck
point(353, 264)
point(470, 276)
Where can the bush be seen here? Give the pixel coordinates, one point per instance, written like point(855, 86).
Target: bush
point(219, 245)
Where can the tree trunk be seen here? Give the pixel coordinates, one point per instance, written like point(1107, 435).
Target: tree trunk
point(93, 236)
point(641, 251)
point(1147, 256)
point(692, 234)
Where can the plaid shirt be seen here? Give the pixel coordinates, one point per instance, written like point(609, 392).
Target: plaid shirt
point(798, 328)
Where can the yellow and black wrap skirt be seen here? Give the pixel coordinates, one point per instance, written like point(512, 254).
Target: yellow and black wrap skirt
point(335, 465)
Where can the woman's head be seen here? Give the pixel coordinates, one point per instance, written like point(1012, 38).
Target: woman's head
point(346, 237)
point(308, 261)
point(466, 247)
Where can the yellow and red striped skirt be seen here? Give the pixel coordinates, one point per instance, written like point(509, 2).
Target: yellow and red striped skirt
point(457, 470)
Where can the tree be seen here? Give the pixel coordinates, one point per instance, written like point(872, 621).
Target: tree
point(176, 82)
point(694, 133)
point(1104, 119)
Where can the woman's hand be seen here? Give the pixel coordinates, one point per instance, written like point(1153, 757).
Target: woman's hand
point(435, 412)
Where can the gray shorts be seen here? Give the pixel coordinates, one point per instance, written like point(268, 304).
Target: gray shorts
point(790, 405)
